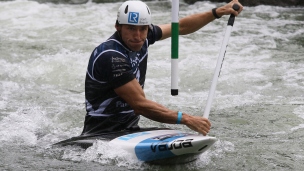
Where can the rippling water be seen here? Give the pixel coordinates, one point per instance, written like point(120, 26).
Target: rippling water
point(257, 113)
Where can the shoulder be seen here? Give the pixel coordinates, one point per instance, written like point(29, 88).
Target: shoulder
point(109, 48)
point(103, 56)
point(154, 34)
point(111, 45)
point(166, 30)
point(107, 56)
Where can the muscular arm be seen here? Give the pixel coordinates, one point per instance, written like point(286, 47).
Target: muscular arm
point(133, 94)
point(189, 24)
point(192, 23)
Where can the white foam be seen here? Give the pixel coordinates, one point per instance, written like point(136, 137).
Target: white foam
point(104, 153)
point(301, 126)
point(299, 111)
point(21, 126)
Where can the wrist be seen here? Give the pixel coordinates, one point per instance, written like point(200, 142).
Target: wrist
point(215, 13)
point(179, 117)
point(185, 119)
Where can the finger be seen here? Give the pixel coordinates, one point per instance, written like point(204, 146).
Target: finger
point(240, 7)
point(205, 128)
point(205, 132)
point(235, 13)
point(207, 121)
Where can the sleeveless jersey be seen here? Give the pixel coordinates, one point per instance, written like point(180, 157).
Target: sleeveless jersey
point(111, 65)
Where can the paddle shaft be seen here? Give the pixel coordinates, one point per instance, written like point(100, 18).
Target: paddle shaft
point(220, 61)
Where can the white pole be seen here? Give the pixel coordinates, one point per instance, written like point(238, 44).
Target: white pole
point(174, 47)
point(220, 62)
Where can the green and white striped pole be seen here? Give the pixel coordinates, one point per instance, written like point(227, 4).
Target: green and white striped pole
point(174, 47)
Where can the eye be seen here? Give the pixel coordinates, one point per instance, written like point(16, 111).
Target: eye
point(131, 28)
point(144, 28)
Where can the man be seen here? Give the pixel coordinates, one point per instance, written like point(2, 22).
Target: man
point(117, 68)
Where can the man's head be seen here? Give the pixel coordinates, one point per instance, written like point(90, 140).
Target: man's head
point(133, 20)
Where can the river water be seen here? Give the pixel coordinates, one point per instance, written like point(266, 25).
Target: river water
point(257, 113)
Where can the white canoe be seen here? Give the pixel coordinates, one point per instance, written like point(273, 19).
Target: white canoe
point(153, 145)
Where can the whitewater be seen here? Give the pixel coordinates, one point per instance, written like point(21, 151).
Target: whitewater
point(258, 110)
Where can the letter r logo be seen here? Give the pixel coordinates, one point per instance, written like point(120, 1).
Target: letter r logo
point(133, 17)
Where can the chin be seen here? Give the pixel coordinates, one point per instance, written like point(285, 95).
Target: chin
point(136, 48)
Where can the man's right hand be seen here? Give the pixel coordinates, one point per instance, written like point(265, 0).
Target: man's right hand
point(197, 123)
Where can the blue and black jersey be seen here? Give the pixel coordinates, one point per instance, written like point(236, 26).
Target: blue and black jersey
point(111, 65)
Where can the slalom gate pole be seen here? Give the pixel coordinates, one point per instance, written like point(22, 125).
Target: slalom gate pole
point(174, 47)
point(220, 61)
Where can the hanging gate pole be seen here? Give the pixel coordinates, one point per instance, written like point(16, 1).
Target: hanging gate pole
point(174, 47)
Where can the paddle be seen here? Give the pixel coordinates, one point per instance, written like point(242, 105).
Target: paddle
point(220, 61)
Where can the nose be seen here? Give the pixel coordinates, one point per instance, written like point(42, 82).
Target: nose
point(136, 33)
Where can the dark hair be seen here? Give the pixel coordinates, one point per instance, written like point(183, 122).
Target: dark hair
point(117, 23)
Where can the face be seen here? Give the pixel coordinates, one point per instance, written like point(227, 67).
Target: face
point(133, 36)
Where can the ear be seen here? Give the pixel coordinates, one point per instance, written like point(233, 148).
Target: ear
point(118, 27)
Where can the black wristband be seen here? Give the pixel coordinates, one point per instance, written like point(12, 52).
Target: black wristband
point(214, 13)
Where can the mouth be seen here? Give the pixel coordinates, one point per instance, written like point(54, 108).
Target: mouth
point(138, 42)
